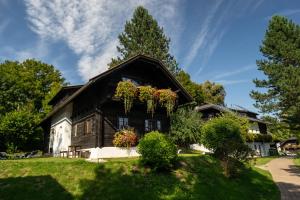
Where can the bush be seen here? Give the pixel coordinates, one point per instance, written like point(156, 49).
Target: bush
point(157, 151)
point(125, 138)
point(19, 131)
point(185, 127)
point(223, 135)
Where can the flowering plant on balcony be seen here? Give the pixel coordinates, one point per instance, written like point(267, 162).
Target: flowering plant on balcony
point(146, 94)
point(167, 98)
point(126, 90)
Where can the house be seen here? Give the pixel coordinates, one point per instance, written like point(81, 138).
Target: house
point(290, 145)
point(88, 115)
point(262, 141)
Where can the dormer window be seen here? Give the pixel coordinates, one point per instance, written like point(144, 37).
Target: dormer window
point(134, 81)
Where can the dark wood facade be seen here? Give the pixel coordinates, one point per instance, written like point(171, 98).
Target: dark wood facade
point(95, 114)
point(210, 110)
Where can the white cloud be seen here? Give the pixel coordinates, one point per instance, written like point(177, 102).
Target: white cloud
point(201, 38)
point(3, 25)
point(90, 28)
point(37, 50)
point(235, 72)
point(288, 12)
point(231, 82)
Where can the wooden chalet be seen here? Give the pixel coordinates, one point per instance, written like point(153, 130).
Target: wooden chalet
point(87, 116)
point(257, 126)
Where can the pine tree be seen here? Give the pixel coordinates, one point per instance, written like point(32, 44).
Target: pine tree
point(142, 35)
point(281, 66)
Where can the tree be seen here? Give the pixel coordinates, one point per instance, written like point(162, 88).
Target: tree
point(213, 93)
point(281, 66)
point(223, 135)
point(26, 88)
point(142, 35)
point(25, 83)
point(194, 89)
point(185, 127)
point(279, 130)
point(19, 131)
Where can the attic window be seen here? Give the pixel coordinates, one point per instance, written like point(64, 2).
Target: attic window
point(134, 81)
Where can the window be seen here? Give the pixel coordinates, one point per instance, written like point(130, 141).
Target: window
point(135, 82)
point(122, 122)
point(80, 129)
point(75, 130)
point(88, 126)
point(152, 125)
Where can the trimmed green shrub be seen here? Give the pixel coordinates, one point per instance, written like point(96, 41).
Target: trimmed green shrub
point(157, 151)
point(224, 136)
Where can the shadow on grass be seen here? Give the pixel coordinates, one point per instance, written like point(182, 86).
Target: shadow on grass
point(123, 183)
point(32, 187)
point(196, 178)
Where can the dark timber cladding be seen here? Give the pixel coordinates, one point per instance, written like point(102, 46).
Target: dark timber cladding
point(96, 115)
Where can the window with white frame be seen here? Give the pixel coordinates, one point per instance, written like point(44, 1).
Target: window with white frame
point(122, 123)
point(152, 125)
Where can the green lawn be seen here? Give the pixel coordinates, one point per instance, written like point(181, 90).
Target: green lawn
point(297, 161)
point(263, 160)
point(199, 177)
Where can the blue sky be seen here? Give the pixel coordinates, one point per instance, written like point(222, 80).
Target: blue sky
point(216, 40)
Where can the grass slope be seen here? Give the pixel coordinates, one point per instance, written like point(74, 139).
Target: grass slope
point(263, 160)
point(297, 161)
point(199, 177)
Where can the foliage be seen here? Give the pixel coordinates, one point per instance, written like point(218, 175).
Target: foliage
point(146, 94)
point(281, 51)
point(213, 93)
point(27, 82)
point(279, 130)
point(223, 136)
point(126, 90)
point(194, 89)
point(166, 98)
point(185, 127)
point(241, 120)
point(19, 131)
point(157, 151)
point(125, 138)
point(252, 137)
point(25, 90)
point(142, 35)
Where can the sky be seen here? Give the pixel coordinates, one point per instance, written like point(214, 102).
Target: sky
point(215, 40)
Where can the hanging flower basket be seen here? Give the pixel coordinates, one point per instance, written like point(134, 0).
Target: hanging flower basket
point(126, 91)
point(167, 98)
point(146, 94)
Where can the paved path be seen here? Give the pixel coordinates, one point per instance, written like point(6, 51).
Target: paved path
point(287, 177)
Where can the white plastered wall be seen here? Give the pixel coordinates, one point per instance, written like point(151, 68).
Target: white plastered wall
point(112, 152)
point(60, 132)
point(262, 148)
